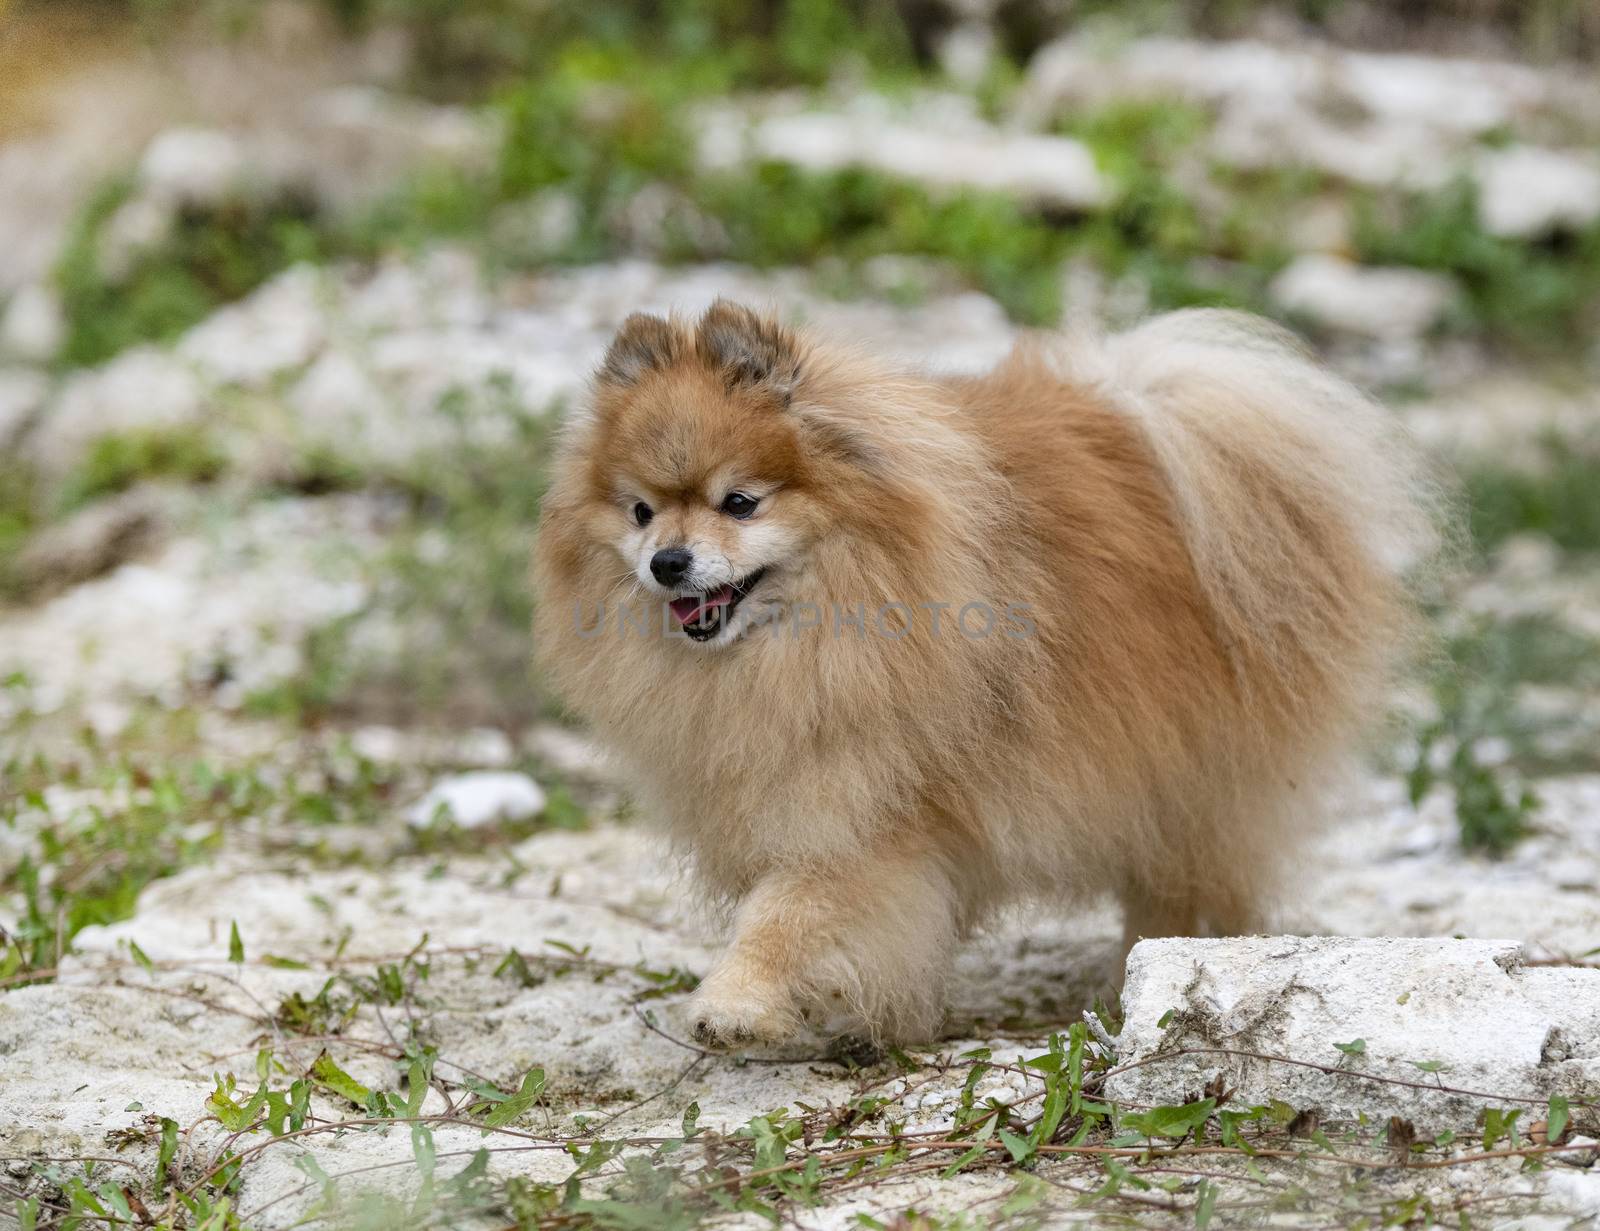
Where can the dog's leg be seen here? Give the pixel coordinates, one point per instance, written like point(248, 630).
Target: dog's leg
point(1146, 916)
point(871, 942)
point(1219, 910)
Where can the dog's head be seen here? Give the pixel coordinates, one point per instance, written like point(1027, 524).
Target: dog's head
point(699, 475)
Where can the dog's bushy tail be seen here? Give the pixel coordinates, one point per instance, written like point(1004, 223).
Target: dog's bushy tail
point(1307, 511)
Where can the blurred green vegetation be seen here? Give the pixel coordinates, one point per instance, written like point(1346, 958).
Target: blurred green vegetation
point(91, 829)
point(597, 102)
point(1542, 298)
point(1558, 497)
point(118, 460)
point(18, 518)
point(211, 257)
point(1485, 739)
point(451, 598)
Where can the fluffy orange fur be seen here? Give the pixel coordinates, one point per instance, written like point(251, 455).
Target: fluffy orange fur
point(1206, 532)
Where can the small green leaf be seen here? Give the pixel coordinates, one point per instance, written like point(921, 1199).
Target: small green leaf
point(532, 1087)
point(416, 1089)
point(312, 1169)
point(1029, 1192)
point(284, 963)
point(143, 958)
point(235, 944)
point(1207, 1202)
point(1021, 1149)
point(965, 1160)
point(422, 1151)
point(1165, 1018)
point(326, 1072)
point(1430, 1066)
point(1499, 1126)
point(1170, 1121)
point(1556, 1118)
point(234, 1116)
point(1355, 1047)
point(166, 1155)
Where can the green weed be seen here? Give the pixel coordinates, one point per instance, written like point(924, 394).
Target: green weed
point(1476, 695)
point(1559, 497)
point(1541, 298)
point(453, 586)
point(212, 257)
point(96, 830)
point(118, 460)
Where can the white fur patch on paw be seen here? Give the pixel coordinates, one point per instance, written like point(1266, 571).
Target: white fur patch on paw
point(723, 1022)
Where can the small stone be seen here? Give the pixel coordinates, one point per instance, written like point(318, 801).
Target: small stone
point(279, 327)
point(478, 799)
point(143, 389)
point(193, 166)
point(1525, 192)
point(94, 540)
point(1367, 301)
point(967, 54)
point(339, 404)
point(33, 326)
point(942, 145)
point(659, 219)
point(141, 223)
point(544, 225)
point(22, 394)
point(484, 746)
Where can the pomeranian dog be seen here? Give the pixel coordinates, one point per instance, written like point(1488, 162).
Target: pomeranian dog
point(886, 650)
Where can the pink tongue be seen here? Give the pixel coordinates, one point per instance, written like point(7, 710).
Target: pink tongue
point(689, 610)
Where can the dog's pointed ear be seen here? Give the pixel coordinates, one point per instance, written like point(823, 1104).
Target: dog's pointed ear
point(643, 344)
point(749, 349)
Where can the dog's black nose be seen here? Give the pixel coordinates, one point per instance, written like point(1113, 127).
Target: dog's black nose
point(670, 564)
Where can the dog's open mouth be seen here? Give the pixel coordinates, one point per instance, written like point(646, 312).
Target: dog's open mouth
point(703, 616)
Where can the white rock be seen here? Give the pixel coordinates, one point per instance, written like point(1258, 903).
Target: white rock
point(22, 393)
point(96, 538)
point(141, 223)
point(967, 53)
point(279, 326)
point(1452, 97)
point(141, 389)
point(1368, 301)
point(1368, 117)
point(940, 144)
point(443, 288)
point(1504, 1030)
point(339, 403)
point(237, 604)
point(33, 325)
point(478, 799)
point(538, 227)
point(1525, 191)
point(193, 166)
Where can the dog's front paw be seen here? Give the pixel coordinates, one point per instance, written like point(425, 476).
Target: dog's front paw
point(728, 1018)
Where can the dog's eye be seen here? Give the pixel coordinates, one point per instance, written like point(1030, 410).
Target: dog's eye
point(739, 505)
point(642, 513)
